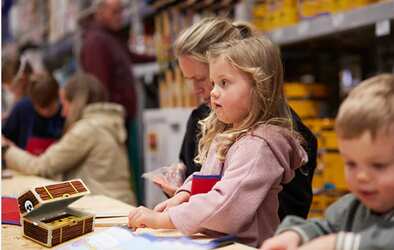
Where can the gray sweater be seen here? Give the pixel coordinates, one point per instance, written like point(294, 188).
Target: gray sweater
point(358, 227)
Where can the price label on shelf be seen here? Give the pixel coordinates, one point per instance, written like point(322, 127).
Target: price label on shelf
point(303, 27)
point(278, 34)
point(338, 19)
point(382, 28)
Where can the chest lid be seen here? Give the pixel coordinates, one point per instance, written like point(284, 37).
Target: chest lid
point(51, 197)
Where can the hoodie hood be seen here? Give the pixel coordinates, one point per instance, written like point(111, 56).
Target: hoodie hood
point(108, 116)
point(285, 146)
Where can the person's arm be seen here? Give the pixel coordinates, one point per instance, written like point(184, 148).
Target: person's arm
point(306, 229)
point(379, 236)
point(310, 229)
point(297, 233)
point(145, 217)
point(326, 242)
point(68, 153)
point(251, 171)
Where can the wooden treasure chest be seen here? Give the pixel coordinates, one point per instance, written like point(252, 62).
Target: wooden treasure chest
point(46, 217)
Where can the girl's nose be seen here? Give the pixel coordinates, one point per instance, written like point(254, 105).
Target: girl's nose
point(214, 92)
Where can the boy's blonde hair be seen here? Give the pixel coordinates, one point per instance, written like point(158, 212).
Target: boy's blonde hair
point(368, 108)
point(196, 40)
point(260, 59)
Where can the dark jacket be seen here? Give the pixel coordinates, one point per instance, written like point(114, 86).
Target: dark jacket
point(296, 196)
point(24, 122)
point(105, 55)
point(189, 147)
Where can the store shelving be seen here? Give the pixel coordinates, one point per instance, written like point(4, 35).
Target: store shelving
point(333, 24)
point(146, 69)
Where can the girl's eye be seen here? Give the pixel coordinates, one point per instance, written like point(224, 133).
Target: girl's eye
point(223, 83)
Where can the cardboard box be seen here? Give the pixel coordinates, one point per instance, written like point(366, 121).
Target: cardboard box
point(46, 217)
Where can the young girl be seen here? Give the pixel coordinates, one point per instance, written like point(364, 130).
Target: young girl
point(247, 150)
point(92, 147)
point(191, 50)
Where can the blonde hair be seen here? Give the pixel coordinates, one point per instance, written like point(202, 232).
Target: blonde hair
point(82, 89)
point(368, 108)
point(196, 40)
point(260, 59)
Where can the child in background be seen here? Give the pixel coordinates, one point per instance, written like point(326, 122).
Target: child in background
point(247, 150)
point(35, 122)
point(363, 219)
point(92, 147)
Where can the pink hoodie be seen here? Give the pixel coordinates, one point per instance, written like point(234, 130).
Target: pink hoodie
point(245, 201)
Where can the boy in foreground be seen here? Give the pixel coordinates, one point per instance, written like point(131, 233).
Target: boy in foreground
point(363, 219)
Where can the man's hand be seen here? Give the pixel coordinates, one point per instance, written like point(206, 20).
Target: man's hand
point(172, 202)
point(288, 240)
point(145, 217)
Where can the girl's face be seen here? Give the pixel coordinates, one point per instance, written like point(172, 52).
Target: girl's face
point(65, 103)
point(231, 93)
point(196, 73)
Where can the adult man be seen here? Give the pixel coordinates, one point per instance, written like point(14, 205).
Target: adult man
point(106, 55)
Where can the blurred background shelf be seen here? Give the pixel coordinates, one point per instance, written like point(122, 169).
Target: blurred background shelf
point(144, 69)
point(334, 23)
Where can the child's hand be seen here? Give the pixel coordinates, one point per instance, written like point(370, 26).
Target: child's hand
point(165, 185)
point(288, 240)
point(145, 217)
point(326, 242)
point(172, 202)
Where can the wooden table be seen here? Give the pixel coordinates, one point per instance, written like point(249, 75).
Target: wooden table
point(100, 205)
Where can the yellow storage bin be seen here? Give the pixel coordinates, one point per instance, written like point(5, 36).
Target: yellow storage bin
point(328, 6)
point(318, 206)
point(305, 90)
point(316, 125)
point(334, 195)
point(351, 4)
point(318, 179)
point(305, 108)
point(334, 172)
point(308, 8)
point(287, 18)
point(328, 139)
